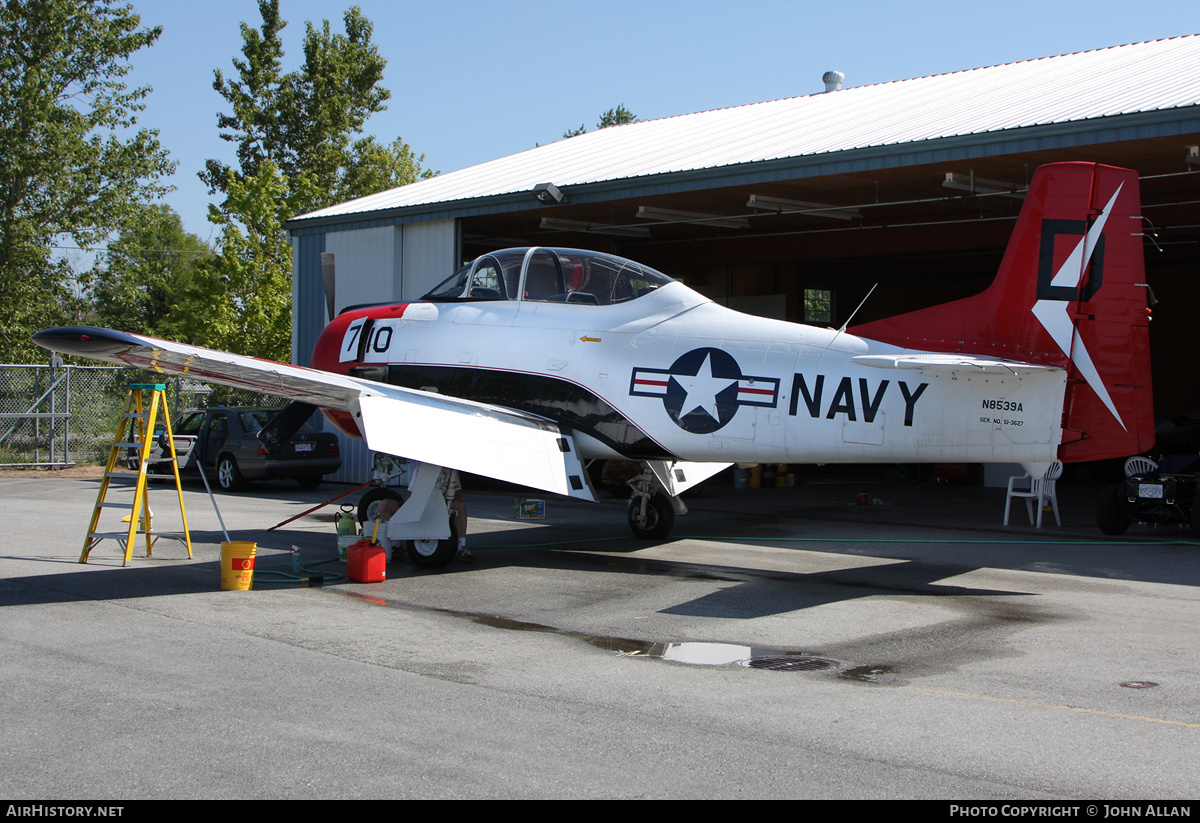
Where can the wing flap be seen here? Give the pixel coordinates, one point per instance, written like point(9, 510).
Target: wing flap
point(471, 437)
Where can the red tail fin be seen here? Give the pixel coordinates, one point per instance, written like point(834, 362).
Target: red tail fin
point(1070, 293)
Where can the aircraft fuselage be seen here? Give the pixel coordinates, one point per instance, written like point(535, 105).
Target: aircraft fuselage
point(672, 375)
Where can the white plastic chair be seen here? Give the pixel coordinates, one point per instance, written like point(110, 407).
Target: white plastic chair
point(1139, 465)
point(1040, 489)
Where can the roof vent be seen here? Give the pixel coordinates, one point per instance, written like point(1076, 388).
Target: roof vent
point(833, 80)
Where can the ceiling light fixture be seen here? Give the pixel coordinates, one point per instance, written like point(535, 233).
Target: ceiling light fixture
point(673, 216)
point(780, 206)
point(557, 224)
point(980, 185)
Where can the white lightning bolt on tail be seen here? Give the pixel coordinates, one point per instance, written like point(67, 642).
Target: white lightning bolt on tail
point(1054, 316)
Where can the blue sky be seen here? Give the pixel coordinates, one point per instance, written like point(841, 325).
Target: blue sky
point(473, 80)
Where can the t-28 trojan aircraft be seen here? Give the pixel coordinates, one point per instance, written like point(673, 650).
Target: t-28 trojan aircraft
point(528, 363)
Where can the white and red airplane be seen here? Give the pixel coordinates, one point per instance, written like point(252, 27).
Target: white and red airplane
point(527, 363)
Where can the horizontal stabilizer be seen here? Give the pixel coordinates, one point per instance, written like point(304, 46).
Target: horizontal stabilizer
point(952, 363)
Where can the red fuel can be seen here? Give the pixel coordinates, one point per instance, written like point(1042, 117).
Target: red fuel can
point(366, 563)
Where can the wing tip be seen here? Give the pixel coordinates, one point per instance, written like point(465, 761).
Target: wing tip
point(86, 341)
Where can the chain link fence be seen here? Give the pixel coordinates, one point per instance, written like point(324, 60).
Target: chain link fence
point(67, 415)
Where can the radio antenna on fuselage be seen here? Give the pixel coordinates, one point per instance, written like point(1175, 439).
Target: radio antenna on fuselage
point(860, 305)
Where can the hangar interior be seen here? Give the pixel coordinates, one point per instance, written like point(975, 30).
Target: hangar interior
point(902, 230)
point(804, 235)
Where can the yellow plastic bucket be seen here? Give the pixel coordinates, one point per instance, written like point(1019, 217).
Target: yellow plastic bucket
point(237, 565)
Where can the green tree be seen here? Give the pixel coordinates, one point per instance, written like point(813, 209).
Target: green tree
point(241, 302)
point(371, 167)
point(299, 148)
point(309, 122)
point(74, 164)
point(139, 282)
point(613, 117)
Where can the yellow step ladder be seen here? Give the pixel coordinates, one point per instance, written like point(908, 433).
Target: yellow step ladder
point(136, 431)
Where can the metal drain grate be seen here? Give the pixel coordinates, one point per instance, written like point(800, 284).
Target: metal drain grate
point(790, 664)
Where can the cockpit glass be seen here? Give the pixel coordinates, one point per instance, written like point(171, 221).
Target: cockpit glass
point(496, 275)
point(588, 278)
point(451, 288)
point(572, 276)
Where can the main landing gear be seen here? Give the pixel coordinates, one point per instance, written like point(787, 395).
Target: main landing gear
point(425, 522)
point(651, 510)
point(431, 552)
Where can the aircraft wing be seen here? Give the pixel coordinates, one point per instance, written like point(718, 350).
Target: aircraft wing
point(949, 363)
point(445, 431)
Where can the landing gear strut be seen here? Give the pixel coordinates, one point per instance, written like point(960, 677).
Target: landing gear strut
point(424, 523)
point(651, 511)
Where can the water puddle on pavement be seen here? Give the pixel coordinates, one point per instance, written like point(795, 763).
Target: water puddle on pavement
point(691, 653)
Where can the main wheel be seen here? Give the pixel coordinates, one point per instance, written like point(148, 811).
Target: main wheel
point(657, 521)
point(368, 506)
point(229, 476)
point(433, 554)
point(1109, 517)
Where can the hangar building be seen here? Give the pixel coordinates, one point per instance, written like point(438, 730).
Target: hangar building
point(794, 208)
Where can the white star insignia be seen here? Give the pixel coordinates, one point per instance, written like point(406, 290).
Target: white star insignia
point(702, 389)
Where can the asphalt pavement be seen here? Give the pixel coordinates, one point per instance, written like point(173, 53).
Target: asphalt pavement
point(782, 643)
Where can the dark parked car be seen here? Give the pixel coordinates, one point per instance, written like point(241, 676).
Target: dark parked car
point(1165, 494)
point(225, 442)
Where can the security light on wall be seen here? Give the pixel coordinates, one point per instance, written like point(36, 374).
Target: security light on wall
point(549, 194)
point(779, 205)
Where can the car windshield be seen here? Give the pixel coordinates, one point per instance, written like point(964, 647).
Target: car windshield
point(551, 275)
point(253, 420)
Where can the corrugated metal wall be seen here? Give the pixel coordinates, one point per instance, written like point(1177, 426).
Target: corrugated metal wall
point(430, 255)
point(308, 296)
point(368, 264)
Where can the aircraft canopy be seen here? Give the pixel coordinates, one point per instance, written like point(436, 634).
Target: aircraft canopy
point(549, 275)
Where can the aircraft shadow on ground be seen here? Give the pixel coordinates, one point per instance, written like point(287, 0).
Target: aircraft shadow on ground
point(1164, 557)
point(759, 593)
